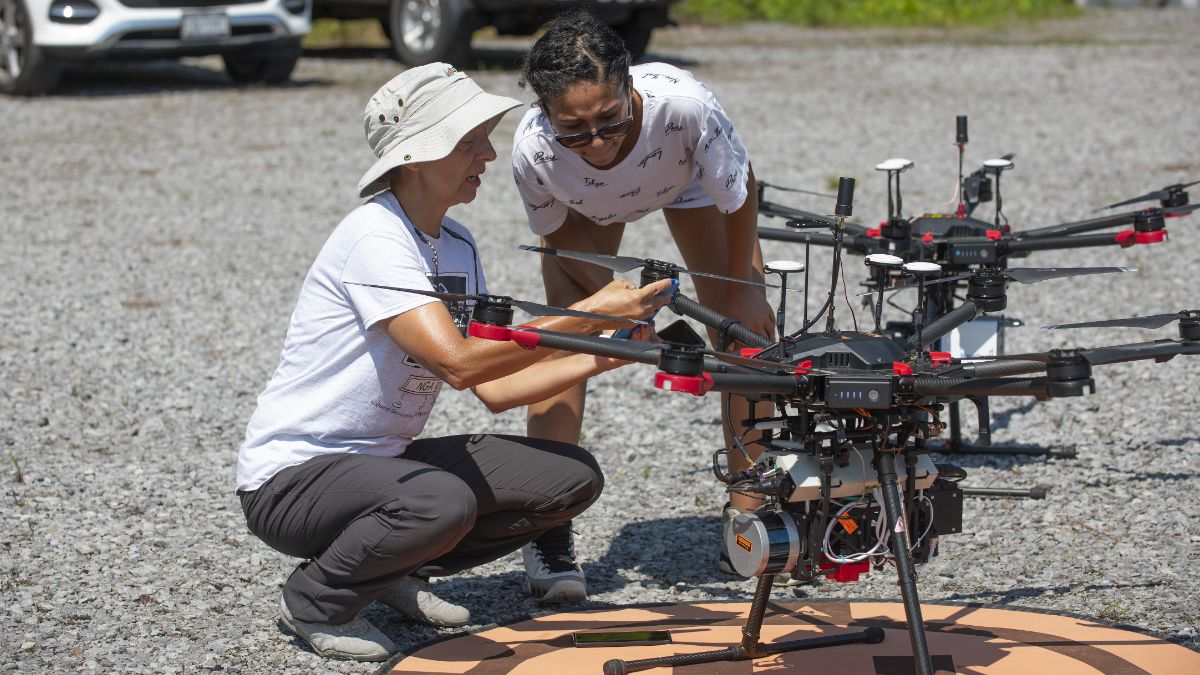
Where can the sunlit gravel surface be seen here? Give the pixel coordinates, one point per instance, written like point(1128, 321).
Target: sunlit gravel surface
point(156, 224)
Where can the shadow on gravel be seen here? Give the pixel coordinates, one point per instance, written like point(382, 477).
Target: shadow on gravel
point(155, 77)
point(1012, 595)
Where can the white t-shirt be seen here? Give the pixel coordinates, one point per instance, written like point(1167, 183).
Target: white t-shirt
point(343, 384)
point(687, 155)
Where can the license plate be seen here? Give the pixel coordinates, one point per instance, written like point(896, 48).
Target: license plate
point(205, 26)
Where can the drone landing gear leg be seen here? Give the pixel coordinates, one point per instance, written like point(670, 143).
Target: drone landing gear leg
point(886, 469)
point(750, 648)
point(956, 445)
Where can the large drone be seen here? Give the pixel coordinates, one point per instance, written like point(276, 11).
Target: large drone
point(846, 475)
point(974, 252)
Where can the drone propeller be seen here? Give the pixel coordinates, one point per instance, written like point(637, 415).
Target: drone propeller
point(621, 263)
point(531, 308)
point(1022, 275)
point(1162, 194)
point(1152, 321)
point(1180, 210)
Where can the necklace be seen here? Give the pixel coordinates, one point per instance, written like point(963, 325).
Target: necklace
point(432, 249)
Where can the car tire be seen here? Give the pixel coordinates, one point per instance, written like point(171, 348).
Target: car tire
point(272, 66)
point(425, 31)
point(636, 34)
point(25, 69)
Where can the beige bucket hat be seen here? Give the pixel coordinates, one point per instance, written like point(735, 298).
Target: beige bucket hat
point(420, 115)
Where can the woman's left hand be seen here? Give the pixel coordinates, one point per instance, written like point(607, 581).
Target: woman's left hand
point(644, 333)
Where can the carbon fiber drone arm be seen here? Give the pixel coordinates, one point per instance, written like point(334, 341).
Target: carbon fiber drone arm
point(856, 241)
point(694, 310)
point(932, 385)
point(1080, 226)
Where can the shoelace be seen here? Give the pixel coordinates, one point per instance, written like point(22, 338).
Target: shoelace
point(554, 548)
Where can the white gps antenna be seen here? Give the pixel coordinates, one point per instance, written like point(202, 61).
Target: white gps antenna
point(880, 263)
point(920, 270)
point(782, 268)
point(895, 167)
point(997, 166)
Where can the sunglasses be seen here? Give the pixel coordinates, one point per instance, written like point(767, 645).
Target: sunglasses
point(608, 132)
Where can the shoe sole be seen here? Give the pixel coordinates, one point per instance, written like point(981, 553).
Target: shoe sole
point(560, 593)
point(330, 653)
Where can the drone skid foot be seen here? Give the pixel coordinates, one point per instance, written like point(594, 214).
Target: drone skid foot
point(871, 635)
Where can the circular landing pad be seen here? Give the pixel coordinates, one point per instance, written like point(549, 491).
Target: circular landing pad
point(962, 639)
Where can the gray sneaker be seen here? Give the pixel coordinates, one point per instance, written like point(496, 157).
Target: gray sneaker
point(413, 598)
point(356, 640)
point(551, 570)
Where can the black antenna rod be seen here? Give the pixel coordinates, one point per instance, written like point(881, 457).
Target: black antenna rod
point(843, 210)
point(961, 141)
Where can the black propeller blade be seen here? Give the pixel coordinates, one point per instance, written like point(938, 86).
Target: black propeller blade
point(531, 308)
point(1156, 195)
point(1022, 275)
point(621, 263)
point(649, 352)
point(1180, 210)
point(1152, 321)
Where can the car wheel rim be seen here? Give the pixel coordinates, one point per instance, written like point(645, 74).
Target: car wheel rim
point(422, 19)
point(12, 37)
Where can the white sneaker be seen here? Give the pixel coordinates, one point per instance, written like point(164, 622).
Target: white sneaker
point(357, 640)
point(551, 570)
point(413, 598)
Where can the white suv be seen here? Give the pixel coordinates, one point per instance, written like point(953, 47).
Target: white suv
point(258, 39)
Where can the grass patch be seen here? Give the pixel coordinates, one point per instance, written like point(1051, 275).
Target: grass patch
point(875, 13)
point(331, 33)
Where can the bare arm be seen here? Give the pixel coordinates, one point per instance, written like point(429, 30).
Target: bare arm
point(548, 377)
point(428, 334)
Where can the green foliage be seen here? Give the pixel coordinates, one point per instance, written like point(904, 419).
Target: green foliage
point(873, 12)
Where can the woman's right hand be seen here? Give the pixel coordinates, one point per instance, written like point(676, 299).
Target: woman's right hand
point(623, 299)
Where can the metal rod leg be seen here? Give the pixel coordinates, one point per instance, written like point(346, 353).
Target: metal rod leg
point(908, 575)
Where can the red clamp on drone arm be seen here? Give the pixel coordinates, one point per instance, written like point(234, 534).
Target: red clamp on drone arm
point(804, 367)
point(938, 359)
point(1127, 238)
point(901, 368)
point(994, 235)
point(750, 352)
point(524, 336)
point(927, 238)
point(696, 385)
point(875, 232)
point(487, 331)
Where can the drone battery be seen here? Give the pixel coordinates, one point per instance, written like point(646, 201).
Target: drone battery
point(856, 478)
point(763, 542)
point(847, 393)
point(971, 253)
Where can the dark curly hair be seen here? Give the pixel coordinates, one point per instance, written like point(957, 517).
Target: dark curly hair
point(576, 47)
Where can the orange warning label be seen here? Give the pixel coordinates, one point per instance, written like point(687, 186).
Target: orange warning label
point(848, 524)
point(744, 543)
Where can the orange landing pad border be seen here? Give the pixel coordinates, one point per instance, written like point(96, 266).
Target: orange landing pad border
point(963, 638)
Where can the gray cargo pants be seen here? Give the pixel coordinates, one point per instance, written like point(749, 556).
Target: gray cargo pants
point(364, 523)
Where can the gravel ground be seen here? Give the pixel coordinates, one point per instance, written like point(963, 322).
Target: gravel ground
point(158, 222)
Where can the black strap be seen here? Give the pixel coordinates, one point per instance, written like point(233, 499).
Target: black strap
point(723, 333)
